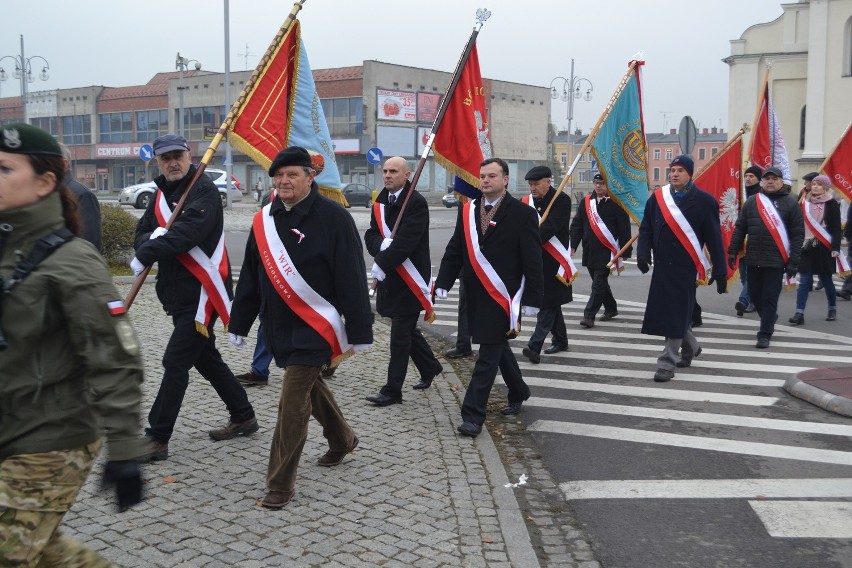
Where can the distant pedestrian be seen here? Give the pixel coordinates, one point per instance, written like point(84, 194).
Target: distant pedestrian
point(90, 207)
point(258, 189)
point(772, 221)
point(751, 178)
point(820, 248)
point(70, 365)
point(603, 227)
point(303, 268)
point(679, 221)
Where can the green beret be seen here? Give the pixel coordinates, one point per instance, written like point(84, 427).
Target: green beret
point(27, 139)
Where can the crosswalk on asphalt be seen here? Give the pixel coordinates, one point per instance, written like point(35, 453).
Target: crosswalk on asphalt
point(728, 405)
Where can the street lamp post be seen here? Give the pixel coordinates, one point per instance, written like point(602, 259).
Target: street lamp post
point(571, 89)
point(181, 64)
point(24, 72)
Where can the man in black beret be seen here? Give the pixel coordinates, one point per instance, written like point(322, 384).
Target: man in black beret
point(556, 292)
point(303, 268)
point(806, 187)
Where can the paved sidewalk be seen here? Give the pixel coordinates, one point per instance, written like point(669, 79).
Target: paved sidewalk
point(414, 493)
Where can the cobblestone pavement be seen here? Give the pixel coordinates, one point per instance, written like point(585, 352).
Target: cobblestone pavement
point(414, 493)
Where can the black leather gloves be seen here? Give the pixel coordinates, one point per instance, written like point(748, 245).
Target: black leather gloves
point(721, 283)
point(732, 260)
point(791, 270)
point(644, 264)
point(125, 476)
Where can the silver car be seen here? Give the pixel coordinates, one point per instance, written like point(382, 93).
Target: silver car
point(141, 194)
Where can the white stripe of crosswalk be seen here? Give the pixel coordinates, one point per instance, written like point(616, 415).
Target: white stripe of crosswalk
point(621, 373)
point(707, 488)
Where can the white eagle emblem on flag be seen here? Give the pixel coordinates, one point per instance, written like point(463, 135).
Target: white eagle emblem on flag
point(728, 209)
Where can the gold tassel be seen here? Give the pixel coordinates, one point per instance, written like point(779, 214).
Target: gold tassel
point(202, 329)
point(341, 358)
point(430, 317)
point(334, 194)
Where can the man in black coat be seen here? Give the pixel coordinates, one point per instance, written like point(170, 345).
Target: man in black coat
point(597, 253)
point(502, 232)
point(556, 292)
point(766, 263)
point(396, 298)
point(304, 274)
point(671, 296)
point(198, 230)
point(90, 207)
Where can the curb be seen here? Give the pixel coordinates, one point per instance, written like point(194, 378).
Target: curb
point(816, 396)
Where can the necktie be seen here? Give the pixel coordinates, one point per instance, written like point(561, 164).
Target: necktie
point(488, 208)
point(391, 199)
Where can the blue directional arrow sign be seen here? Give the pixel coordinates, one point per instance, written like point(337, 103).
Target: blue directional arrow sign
point(374, 156)
point(146, 153)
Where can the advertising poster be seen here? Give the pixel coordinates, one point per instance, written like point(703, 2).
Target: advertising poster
point(396, 105)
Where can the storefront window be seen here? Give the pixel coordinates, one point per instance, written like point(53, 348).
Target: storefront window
point(196, 118)
point(47, 123)
point(116, 127)
point(77, 130)
point(150, 124)
point(345, 116)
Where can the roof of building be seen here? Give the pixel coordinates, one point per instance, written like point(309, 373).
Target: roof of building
point(339, 73)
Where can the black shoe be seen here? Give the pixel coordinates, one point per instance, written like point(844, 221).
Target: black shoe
point(697, 322)
point(818, 286)
point(663, 375)
point(586, 322)
point(469, 429)
point(456, 353)
point(762, 343)
point(555, 349)
point(832, 314)
point(797, 319)
point(844, 294)
point(384, 400)
point(740, 308)
point(609, 315)
point(686, 361)
point(512, 408)
point(251, 379)
point(425, 383)
point(534, 357)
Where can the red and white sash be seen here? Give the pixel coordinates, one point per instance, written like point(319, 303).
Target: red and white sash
point(823, 236)
point(314, 310)
point(567, 271)
point(683, 231)
point(409, 274)
point(486, 274)
point(603, 233)
point(769, 216)
point(210, 271)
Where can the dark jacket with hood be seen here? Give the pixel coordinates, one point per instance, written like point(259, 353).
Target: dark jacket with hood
point(762, 251)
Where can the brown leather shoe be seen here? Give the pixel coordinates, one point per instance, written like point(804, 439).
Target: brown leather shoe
point(277, 499)
point(251, 379)
point(152, 450)
point(334, 458)
point(234, 429)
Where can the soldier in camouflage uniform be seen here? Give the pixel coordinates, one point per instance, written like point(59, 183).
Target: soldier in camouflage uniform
point(70, 369)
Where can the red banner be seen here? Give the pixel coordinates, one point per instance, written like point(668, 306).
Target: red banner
point(722, 180)
point(463, 139)
point(761, 139)
point(838, 165)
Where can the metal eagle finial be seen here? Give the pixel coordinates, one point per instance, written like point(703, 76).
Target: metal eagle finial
point(482, 14)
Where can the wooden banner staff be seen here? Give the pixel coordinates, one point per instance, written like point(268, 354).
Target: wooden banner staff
point(592, 135)
point(236, 108)
point(704, 168)
point(481, 16)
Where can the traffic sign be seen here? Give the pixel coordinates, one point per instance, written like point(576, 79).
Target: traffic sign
point(686, 135)
point(374, 156)
point(594, 167)
point(146, 153)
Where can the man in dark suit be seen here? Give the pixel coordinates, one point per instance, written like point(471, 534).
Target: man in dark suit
point(606, 228)
point(556, 291)
point(491, 249)
point(404, 273)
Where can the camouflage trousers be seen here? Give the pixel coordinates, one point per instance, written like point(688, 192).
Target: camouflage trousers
point(36, 490)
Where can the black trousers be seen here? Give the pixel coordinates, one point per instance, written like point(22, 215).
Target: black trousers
point(549, 320)
point(186, 349)
point(764, 287)
point(463, 335)
point(491, 357)
point(601, 294)
point(407, 341)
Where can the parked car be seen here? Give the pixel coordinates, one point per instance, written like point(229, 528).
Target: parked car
point(450, 200)
point(358, 194)
point(141, 194)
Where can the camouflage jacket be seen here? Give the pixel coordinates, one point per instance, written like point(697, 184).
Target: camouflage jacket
point(71, 371)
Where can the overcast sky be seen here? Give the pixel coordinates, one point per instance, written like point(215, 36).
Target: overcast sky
point(119, 42)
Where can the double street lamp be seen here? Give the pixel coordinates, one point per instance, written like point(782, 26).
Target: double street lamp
point(181, 63)
point(572, 88)
point(24, 72)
